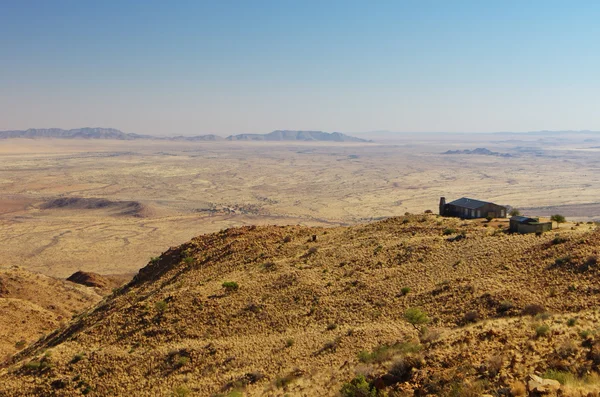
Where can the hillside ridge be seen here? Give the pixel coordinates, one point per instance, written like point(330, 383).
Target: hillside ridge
point(292, 309)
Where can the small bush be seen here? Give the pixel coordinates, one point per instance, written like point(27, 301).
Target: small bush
point(182, 361)
point(358, 387)
point(559, 240)
point(20, 344)
point(563, 260)
point(283, 381)
point(505, 306)
point(533, 310)
point(287, 239)
point(542, 330)
point(585, 333)
point(405, 290)
point(403, 366)
point(312, 250)
point(154, 260)
point(160, 306)
point(181, 391)
point(289, 343)
point(558, 218)
point(470, 317)
point(494, 365)
point(230, 286)
point(76, 358)
point(416, 317)
point(518, 389)
point(331, 327)
point(571, 322)
point(188, 260)
point(449, 231)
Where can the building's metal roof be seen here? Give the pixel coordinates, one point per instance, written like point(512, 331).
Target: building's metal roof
point(469, 203)
point(523, 219)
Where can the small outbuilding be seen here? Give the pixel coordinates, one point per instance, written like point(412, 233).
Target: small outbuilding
point(523, 224)
point(468, 208)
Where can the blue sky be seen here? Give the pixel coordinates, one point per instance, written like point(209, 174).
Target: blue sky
point(194, 67)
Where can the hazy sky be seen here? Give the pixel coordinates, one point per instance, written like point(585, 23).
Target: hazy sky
point(194, 67)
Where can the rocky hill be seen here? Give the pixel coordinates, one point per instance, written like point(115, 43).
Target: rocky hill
point(416, 305)
point(286, 135)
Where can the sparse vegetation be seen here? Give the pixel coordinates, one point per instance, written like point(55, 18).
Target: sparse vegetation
point(160, 306)
point(181, 391)
point(358, 387)
point(416, 317)
point(230, 286)
point(542, 330)
point(558, 219)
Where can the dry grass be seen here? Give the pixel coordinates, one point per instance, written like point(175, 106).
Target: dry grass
point(226, 335)
point(193, 188)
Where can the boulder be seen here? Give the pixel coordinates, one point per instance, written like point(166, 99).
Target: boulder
point(538, 386)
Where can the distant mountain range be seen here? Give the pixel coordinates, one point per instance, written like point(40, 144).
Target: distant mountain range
point(287, 135)
point(82, 133)
point(111, 133)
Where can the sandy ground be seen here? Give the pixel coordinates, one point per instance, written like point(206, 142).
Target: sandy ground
point(187, 189)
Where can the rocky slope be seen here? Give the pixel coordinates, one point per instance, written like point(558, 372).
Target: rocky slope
point(32, 305)
point(302, 311)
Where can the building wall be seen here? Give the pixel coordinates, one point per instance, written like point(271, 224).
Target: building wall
point(495, 211)
point(524, 228)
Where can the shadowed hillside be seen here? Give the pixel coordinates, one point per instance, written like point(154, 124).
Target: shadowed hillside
point(298, 310)
point(33, 304)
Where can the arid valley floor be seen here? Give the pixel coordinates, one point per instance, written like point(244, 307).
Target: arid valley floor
point(313, 289)
point(160, 194)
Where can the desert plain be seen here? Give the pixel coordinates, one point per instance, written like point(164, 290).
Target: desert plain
point(109, 206)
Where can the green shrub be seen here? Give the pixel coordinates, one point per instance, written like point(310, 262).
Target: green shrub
point(585, 333)
point(76, 358)
point(181, 391)
point(542, 330)
point(405, 290)
point(20, 344)
point(571, 322)
point(558, 218)
point(416, 317)
point(230, 286)
point(358, 387)
point(449, 231)
point(160, 306)
point(331, 327)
